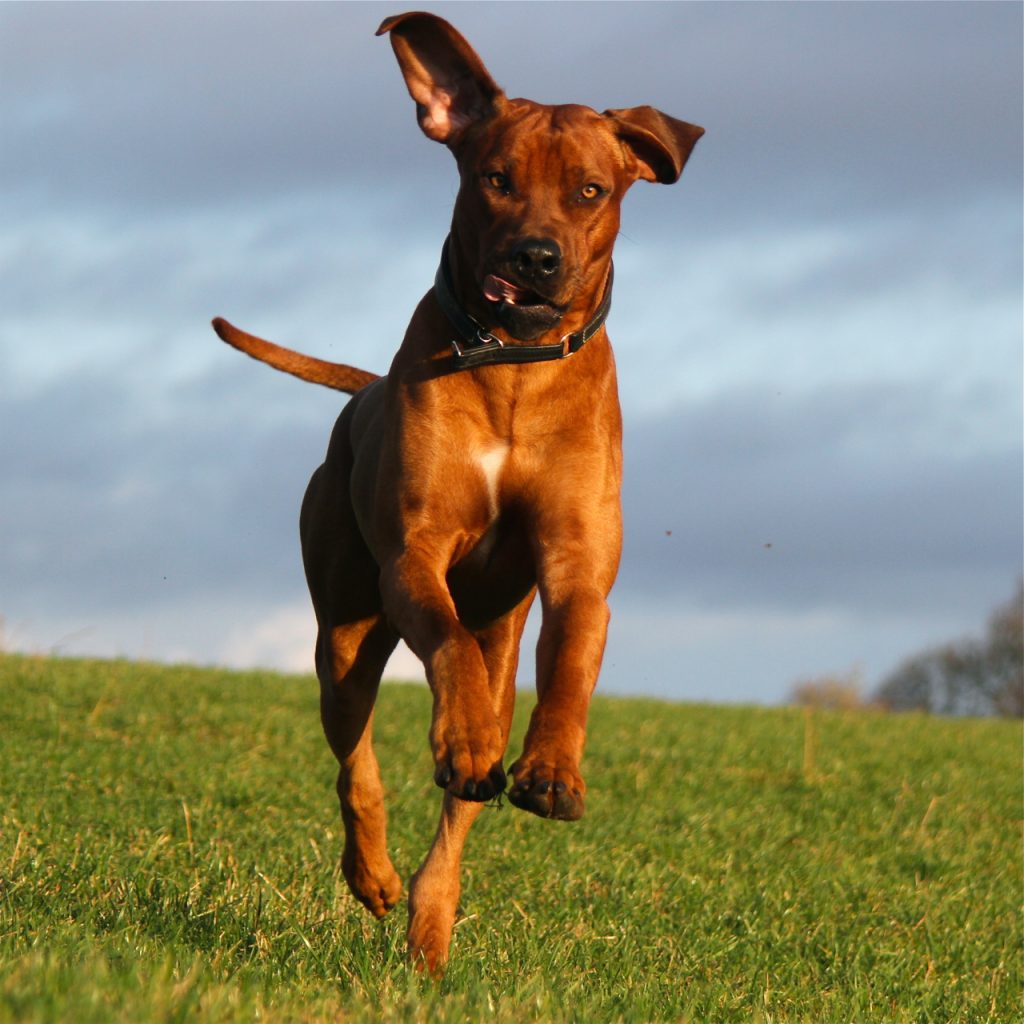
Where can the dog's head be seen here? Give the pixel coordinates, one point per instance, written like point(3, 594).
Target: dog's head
point(537, 212)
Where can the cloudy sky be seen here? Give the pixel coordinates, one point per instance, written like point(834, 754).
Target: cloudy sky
point(818, 330)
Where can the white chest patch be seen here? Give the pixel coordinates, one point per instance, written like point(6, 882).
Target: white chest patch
point(491, 461)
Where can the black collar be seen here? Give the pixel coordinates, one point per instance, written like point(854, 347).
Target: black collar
point(478, 347)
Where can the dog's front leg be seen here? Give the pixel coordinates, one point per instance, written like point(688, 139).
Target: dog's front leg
point(465, 736)
point(546, 778)
point(576, 574)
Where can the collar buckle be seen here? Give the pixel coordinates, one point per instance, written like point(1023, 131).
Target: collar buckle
point(482, 341)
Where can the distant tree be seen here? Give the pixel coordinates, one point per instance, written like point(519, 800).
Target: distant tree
point(970, 677)
point(1005, 656)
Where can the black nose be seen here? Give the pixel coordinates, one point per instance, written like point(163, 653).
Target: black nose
point(537, 259)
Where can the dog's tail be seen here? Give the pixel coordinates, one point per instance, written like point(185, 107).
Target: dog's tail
point(317, 371)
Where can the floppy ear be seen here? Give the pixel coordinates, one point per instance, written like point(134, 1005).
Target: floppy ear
point(660, 143)
point(445, 77)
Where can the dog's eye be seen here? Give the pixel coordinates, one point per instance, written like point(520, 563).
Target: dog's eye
point(591, 191)
point(498, 181)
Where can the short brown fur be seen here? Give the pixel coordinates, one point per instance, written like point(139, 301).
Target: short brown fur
point(449, 498)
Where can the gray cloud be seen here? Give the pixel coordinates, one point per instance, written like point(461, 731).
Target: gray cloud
point(828, 499)
point(858, 105)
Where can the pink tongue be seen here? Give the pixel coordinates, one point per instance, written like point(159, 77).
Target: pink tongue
point(498, 290)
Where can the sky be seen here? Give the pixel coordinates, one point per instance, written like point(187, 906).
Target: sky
point(818, 329)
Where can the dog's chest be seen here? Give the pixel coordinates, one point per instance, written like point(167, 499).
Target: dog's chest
point(489, 463)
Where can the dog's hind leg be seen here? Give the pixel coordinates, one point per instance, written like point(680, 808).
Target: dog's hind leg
point(353, 646)
point(435, 887)
point(350, 660)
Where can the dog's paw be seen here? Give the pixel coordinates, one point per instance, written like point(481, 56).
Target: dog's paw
point(547, 791)
point(467, 754)
point(480, 790)
point(376, 886)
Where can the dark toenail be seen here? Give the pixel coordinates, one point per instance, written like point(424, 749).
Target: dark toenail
point(443, 775)
point(559, 788)
point(542, 788)
point(497, 777)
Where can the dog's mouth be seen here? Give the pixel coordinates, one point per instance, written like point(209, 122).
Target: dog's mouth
point(497, 289)
point(524, 313)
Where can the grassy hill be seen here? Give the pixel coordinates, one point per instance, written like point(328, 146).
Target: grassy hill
point(169, 842)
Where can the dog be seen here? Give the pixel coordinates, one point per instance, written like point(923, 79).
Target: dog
point(482, 470)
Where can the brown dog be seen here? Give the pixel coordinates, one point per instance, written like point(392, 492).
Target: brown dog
point(483, 469)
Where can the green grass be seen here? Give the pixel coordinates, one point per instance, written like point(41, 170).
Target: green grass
point(169, 845)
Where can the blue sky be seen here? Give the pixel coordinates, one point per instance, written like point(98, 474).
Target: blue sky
point(818, 330)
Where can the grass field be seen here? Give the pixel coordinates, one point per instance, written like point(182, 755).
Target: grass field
point(169, 842)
